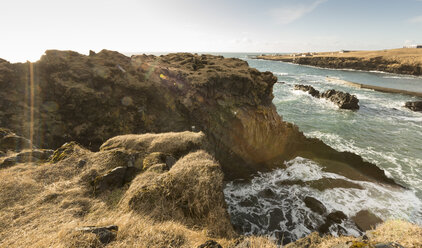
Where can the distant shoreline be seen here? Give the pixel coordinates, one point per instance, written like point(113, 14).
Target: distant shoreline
point(406, 61)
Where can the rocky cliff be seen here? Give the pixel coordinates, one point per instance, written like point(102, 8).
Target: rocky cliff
point(400, 61)
point(90, 99)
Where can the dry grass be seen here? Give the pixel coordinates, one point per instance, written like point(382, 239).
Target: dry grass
point(191, 193)
point(407, 234)
point(41, 205)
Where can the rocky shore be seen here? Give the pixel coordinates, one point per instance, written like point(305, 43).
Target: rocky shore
point(142, 146)
point(400, 61)
point(341, 99)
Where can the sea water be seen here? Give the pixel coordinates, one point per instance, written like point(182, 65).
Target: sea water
point(382, 131)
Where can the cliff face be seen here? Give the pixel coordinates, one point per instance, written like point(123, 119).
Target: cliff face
point(356, 63)
point(92, 98)
point(369, 64)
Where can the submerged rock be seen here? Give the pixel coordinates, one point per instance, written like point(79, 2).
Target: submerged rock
point(415, 106)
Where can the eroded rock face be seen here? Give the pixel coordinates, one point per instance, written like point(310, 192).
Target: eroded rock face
point(90, 99)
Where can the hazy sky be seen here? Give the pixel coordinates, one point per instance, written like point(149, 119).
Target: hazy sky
point(29, 27)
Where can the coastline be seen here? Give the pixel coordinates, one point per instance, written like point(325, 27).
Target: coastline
point(399, 61)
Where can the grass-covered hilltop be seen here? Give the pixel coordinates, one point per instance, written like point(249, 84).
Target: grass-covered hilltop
point(107, 150)
point(401, 61)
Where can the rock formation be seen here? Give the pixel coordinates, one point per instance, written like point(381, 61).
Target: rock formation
point(378, 63)
point(415, 106)
point(341, 99)
point(90, 99)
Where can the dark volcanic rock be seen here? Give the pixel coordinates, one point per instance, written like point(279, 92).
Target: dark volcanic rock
point(337, 217)
point(366, 220)
point(90, 99)
point(307, 88)
point(315, 205)
point(415, 106)
point(341, 99)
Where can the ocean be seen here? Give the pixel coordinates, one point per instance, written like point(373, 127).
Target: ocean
point(382, 131)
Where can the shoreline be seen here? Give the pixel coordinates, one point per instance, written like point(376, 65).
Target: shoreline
point(404, 61)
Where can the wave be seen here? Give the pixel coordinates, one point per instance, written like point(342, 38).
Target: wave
point(269, 206)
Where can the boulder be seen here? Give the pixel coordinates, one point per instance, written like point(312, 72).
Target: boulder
point(105, 234)
point(114, 178)
point(414, 106)
point(365, 220)
point(36, 155)
point(307, 88)
point(315, 205)
point(13, 142)
point(341, 99)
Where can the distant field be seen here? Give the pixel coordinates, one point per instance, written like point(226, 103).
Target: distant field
point(404, 55)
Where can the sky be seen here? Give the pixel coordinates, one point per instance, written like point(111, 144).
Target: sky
point(29, 27)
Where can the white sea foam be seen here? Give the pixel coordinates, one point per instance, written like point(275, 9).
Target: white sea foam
point(266, 194)
point(281, 73)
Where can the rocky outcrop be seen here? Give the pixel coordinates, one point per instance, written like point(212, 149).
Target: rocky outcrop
point(414, 106)
point(90, 99)
point(341, 99)
point(377, 63)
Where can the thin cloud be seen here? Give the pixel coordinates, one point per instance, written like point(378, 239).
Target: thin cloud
point(416, 19)
point(288, 14)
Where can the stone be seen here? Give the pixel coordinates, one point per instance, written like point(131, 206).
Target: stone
point(210, 244)
point(170, 161)
point(365, 220)
point(341, 99)
point(13, 142)
point(388, 245)
point(34, 155)
point(105, 234)
point(337, 217)
point(414, 106)
point(315, 205)
point(307, 88)
point(110, 180)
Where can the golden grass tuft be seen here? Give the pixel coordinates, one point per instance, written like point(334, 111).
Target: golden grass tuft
point(191, 192)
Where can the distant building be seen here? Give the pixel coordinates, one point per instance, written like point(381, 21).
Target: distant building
point(412, 46)
point(344, 51)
